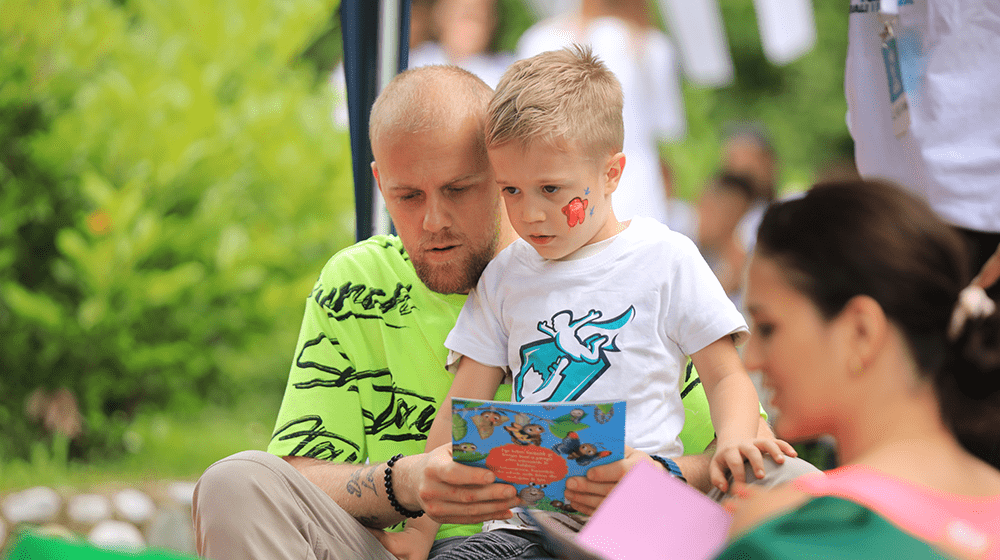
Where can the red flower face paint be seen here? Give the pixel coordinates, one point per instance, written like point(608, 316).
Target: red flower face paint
point(575, 211)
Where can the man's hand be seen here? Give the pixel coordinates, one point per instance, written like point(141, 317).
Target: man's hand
point(730, 457)
point(585, 494)
point(451, 492)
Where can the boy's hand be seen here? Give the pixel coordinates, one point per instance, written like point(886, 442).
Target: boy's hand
point(411, 543)
point(729, 456)
point(586, 493)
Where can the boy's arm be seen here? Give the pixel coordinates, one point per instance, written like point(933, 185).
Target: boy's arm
point(733, 405)
point(473, 380)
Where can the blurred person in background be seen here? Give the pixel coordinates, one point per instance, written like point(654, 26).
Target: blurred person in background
point(923, 98)
point(463, 33)
point(622, 34)
point(721, 206)
point(747, 151)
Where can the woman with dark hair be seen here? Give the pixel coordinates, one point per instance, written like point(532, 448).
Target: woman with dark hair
point(866, 328)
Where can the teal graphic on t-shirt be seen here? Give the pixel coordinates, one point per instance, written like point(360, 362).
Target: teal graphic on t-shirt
point(572, 357)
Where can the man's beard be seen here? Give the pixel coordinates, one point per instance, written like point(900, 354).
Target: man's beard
point(458, 277)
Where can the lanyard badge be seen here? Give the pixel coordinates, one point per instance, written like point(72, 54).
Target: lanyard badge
point(898, 105)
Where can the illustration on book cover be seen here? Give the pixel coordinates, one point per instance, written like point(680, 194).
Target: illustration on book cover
point(536, 446)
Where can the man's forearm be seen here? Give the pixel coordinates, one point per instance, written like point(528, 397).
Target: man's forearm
point(358, 489)
point(695, 468)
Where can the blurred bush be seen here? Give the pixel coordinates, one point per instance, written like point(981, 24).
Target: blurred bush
point(170, 185)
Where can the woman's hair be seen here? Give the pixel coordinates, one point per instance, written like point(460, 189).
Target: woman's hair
point(869, 238)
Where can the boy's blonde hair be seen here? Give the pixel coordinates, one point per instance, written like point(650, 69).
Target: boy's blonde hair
point(568, 95)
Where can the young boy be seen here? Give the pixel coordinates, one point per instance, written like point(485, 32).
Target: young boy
point(624, 303)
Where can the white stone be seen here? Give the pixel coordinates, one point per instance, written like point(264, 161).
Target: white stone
point(35, 505)
point(181, 492)
point(133, 505)
point(88, 509)
point(171, 529)
point(117, 535)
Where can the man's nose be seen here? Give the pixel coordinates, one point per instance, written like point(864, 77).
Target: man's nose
point(437, 216)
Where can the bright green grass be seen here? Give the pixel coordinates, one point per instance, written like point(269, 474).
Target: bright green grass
point(163, 447)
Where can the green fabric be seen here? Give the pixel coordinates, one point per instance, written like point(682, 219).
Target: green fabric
point(829, 528)
point(35, 547)
point(369, 373)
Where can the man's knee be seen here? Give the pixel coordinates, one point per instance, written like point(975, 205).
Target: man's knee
point(239, 483)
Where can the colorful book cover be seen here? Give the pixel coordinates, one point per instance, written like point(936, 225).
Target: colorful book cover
point(536, 446)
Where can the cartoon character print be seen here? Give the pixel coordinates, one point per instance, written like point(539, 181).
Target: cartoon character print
point(532, 493)
point(582, 453)
point(575, 211)
point(526, 434)
point(575, 354)
point(463, 447)
point(486, 421)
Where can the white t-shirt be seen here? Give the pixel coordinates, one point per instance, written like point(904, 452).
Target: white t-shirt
point(616, 325)
point(949, 51)
point(646, 65)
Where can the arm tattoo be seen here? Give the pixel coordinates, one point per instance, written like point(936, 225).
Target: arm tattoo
point(353, 486)
point(369, 521)
point(356, 482)
point(370, 481)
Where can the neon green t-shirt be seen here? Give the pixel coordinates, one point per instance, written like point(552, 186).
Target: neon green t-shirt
point(369, 371)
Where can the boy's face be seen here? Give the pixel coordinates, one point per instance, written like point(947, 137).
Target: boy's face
point(558, 200)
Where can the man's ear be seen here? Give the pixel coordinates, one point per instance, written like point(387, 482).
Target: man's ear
point(614, 168)
point(868, 328)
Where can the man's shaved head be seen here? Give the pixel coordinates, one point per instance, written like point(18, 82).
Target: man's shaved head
point(428, 98)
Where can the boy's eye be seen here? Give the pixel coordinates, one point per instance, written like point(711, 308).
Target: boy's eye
point(511, 190)
point(764, 330)
point(550, 189)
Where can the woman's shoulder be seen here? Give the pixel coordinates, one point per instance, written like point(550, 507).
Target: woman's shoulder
point(832, 527)
point(751, 506)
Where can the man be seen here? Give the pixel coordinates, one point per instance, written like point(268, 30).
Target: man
point(369, 371)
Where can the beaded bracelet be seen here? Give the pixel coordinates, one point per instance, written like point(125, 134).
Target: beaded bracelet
point(670, 465)
point(392, 495)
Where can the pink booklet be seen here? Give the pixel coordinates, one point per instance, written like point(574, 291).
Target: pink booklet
point(649, 514)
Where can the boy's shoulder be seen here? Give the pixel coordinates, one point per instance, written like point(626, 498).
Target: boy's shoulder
point(649, 232)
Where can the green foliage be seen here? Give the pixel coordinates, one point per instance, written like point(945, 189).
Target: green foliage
point(170, 184)
point(801, 104)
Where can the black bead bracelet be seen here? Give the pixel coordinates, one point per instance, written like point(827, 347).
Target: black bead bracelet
point(392, 495)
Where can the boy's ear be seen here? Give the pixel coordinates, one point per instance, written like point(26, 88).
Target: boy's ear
point(615, 166)
point(375, 174)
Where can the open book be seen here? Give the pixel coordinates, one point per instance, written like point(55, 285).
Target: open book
point(536, 446)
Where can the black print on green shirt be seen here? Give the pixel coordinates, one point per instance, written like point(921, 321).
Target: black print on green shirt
point(309, 428)
point(341, 377)
point(399, 413)
point(363, 302)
